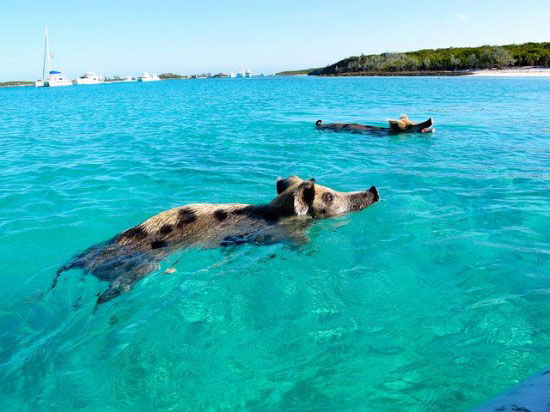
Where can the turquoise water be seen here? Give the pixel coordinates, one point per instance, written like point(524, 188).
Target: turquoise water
point(436, 298)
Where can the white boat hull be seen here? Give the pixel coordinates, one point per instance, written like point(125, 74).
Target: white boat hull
point(88, 81)
point(146, 77)
point(57, 82)
point(89, 78)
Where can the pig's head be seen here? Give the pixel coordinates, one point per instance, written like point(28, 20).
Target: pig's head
point(305, 197)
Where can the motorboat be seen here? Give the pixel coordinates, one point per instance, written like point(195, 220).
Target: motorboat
point(146, 77)
point(89, 78)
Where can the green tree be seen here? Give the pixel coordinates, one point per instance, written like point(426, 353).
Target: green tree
point(472, 61)
point(502, 58)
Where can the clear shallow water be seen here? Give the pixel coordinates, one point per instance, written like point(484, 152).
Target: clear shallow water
point(436, 298)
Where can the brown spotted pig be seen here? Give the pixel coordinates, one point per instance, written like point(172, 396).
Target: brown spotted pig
point(134, 253)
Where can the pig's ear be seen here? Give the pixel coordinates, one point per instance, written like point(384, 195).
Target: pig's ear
point(283, 184)
point(303, 197)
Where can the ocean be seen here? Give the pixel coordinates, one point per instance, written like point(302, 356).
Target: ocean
point(435, 298)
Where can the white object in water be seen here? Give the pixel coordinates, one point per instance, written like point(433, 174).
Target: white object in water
point(89, 78)
point(146, 77)
point(54, 78)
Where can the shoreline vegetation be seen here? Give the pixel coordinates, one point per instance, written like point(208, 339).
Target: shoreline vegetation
point(394, 74)
point(452, 61)
point(303, 72)
point(16, 83)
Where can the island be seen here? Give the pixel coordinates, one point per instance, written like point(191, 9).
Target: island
point(16, 83)
point(452, 61)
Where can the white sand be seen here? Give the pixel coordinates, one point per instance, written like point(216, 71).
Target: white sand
point(514, 72)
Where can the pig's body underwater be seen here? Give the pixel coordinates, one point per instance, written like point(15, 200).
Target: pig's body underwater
point(134, 253)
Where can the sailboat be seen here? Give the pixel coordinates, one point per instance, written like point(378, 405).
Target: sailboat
point(54, 77)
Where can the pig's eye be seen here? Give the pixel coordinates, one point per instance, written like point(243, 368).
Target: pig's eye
point(328, 197)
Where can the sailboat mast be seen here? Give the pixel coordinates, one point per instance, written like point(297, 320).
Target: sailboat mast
point(45, 55)
point(48, 51)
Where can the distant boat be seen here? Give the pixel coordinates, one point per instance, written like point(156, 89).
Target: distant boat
point(248, 73)
point(232, 75)
point(54, 78)
point(129, 79)
point(89, 78)
point(146, 77)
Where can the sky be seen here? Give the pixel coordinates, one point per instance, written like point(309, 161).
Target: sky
point(123, 37)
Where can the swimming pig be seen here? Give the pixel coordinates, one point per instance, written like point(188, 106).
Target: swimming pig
point(131, 255)
point(403, 125)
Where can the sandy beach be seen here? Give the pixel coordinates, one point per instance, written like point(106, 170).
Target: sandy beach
point(530, 71)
